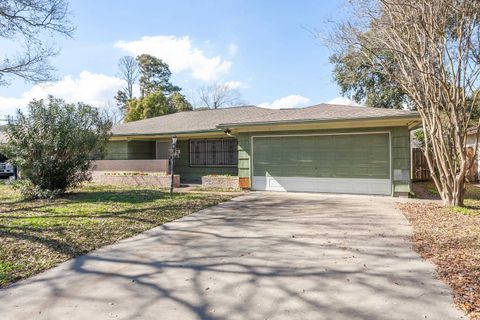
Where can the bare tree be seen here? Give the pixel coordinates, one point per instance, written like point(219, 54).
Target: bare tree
point(28, 23)
point(129, 71)
point(111, 113)
point(434, 46)
point(219, 95)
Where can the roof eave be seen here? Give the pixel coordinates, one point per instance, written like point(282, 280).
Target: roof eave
point(165, 133)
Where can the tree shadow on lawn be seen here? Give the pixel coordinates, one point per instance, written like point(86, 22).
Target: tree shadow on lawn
point(141, 196)
point(128, 214)
point(121, 196)
point(80, 196)
point(55, 237)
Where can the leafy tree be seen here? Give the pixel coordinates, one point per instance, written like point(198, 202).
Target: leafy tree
point(158, 95)
point(178, 102)
point(121, 99)
point(360, 80)
point(433, 57)
point(53, 144)
point(152, 105)
point(156, 104)
point(155, 76)
point(29, 23)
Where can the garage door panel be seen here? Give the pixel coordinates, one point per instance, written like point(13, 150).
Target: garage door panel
point(328, 185)
point(325, 163)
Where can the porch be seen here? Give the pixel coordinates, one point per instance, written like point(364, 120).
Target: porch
point(198, 158)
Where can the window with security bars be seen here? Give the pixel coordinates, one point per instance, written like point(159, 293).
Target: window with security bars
point(213, 153)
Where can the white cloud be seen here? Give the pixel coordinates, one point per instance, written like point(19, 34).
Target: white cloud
point(232, 49)
point(180, 54)
point(92, 88)
point(343, 101)
point(291, 101)
point(236, 85)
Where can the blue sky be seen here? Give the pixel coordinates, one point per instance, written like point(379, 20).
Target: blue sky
point(263, 48)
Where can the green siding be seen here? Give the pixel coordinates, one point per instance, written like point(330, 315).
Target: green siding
point(138, 150)
point(244, 155)
point(129, 150)
point(117, 150)
point(400, 138)
point(401, 157)
point(194, 174)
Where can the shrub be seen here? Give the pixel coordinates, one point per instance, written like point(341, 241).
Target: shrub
point(53, 144)
point(29, 191)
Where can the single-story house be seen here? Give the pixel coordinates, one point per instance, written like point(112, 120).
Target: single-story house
point(322, 148)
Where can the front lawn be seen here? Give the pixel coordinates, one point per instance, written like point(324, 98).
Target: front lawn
point(37, 235)
point(450, 238)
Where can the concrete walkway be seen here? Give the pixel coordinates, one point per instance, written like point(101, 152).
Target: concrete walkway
point(260, 256)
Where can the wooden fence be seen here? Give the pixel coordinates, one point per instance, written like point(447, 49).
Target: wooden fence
point(421, 172)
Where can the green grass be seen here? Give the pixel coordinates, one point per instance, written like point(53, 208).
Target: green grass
point(471, 203)
point(37, 235)
point(432, 189)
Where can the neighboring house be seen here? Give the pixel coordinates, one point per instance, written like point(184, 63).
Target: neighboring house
point(471, 139)
point(420, 169)
point(322, 148)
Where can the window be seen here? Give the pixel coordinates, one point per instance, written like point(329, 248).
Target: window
point(213, 153)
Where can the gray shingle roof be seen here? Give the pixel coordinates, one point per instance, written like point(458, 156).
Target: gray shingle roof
point(210, 120)
point(322, 112)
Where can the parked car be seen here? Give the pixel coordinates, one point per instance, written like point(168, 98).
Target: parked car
point(6, 169)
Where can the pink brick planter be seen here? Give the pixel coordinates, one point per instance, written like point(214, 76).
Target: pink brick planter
point(149, 179)
point(220, 182)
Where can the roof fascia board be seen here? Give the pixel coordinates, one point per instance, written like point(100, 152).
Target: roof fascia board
point(325, 125)
point(167, 136)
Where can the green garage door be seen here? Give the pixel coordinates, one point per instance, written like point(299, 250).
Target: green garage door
point(346, 163)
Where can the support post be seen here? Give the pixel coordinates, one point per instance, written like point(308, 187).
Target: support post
point(173, 154)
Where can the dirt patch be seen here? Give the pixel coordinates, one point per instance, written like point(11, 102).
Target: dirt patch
point(425, 190)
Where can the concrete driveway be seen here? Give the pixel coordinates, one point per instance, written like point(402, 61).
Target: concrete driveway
point(260, 256)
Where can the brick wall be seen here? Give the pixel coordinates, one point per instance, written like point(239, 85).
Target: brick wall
point(135, 180)
point(220, 182)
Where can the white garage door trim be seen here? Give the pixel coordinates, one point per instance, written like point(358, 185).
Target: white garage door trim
point(328, 185)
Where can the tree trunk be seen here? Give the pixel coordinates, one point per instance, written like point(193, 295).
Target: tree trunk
point(451, 192)
point(450, 185)
point(454, 198)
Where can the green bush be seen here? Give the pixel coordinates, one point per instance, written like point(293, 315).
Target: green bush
point(53, 145)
